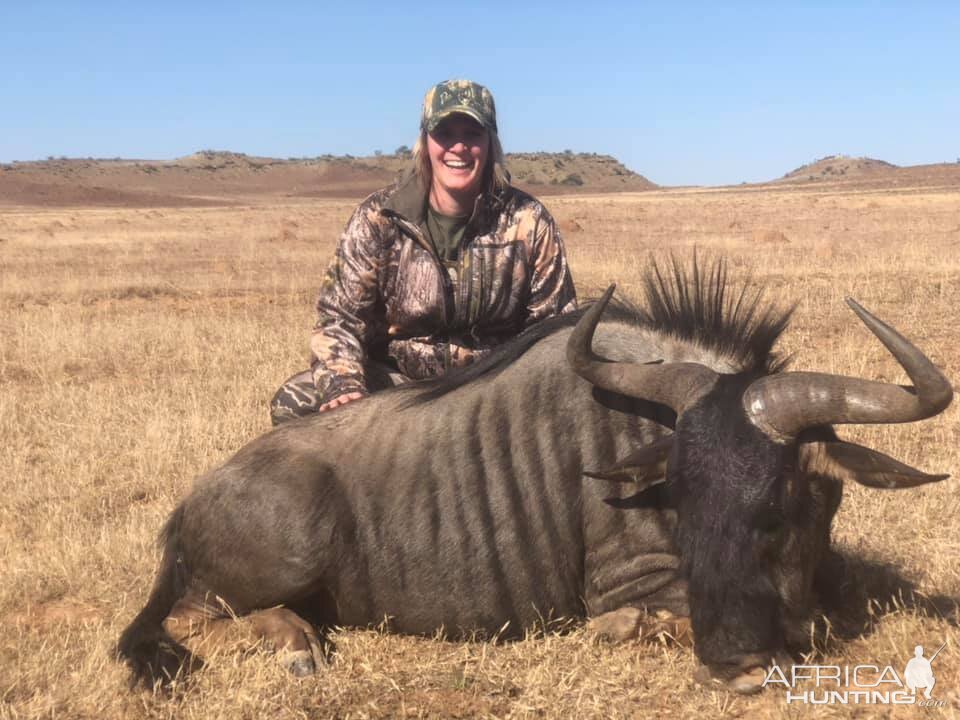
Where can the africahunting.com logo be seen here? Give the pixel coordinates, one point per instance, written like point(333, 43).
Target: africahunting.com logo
point(860, 684)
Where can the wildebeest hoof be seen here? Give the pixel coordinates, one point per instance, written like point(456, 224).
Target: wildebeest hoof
point(299, 662)
point(617, 625)
point(665, 627)
point(749, 682)
point(630, 623)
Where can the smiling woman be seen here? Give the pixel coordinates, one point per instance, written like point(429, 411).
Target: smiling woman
point(434, 271)
point(457, 149)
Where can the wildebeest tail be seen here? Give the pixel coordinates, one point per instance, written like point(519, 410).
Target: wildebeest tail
point(153, 656)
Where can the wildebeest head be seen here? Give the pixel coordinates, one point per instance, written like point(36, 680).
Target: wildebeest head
point(755, 472)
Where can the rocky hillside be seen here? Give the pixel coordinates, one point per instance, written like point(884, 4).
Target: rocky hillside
point(215, 177)
point(870, 173)
point(546, 173)
point(835, 167)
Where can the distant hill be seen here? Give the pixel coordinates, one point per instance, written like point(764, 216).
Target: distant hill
point(214, 177)
point(550, 173)
point(872, 173)
point(833, 167)
point(211, 177)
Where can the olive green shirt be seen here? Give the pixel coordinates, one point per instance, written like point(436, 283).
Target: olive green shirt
point(446, 233)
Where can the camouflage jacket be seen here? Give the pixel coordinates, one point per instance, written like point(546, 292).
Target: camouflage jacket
point(388, 297)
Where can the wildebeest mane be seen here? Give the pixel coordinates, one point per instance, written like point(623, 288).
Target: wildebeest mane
point(698, 305)
point(695, 305)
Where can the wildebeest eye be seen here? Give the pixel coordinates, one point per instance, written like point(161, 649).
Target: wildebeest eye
point(770, 521)
point(769, 528)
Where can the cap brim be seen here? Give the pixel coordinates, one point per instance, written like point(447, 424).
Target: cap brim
point(458, 110)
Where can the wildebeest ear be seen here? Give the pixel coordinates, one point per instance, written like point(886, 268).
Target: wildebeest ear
point(646, 466)
point(849, 461)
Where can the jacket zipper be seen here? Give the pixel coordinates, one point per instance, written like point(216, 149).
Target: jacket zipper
point(415, 233)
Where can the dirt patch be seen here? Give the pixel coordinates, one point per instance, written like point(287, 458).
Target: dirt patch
point(44, 194)
point(570, 226)
point(54, 612)
point(769, 236)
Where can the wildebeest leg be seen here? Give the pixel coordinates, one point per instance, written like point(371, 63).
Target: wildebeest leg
point(293, 639)
point(630, 623)
point(202, 624)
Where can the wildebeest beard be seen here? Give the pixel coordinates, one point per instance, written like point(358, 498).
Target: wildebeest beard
point(731, 486)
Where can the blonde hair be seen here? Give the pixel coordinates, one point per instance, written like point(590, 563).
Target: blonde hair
point(495, 176)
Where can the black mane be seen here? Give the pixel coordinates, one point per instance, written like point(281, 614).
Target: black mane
point(699, 306)
point(696, 306)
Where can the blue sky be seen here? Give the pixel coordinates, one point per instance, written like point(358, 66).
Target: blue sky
point(683, 93)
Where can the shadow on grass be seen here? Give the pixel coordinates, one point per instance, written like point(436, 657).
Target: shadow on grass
point(856, 592)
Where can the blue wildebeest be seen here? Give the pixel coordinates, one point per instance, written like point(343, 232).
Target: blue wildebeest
point(461, 503)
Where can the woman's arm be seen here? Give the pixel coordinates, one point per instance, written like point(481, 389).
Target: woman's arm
point(345, 310)
point(551, 286)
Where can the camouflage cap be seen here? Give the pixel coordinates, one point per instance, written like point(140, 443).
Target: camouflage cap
point(458, 96)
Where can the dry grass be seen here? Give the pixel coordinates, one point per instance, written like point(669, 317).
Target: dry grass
point(139, 348)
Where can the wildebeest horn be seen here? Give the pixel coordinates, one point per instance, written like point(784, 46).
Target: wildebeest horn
point(784, 405)
point(676, 385)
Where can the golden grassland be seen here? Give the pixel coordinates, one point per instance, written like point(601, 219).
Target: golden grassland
point(140, 346)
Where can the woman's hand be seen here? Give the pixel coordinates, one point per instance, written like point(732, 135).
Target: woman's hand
point(340, 400)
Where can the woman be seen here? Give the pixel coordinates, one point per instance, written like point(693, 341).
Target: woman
point(434, 271)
